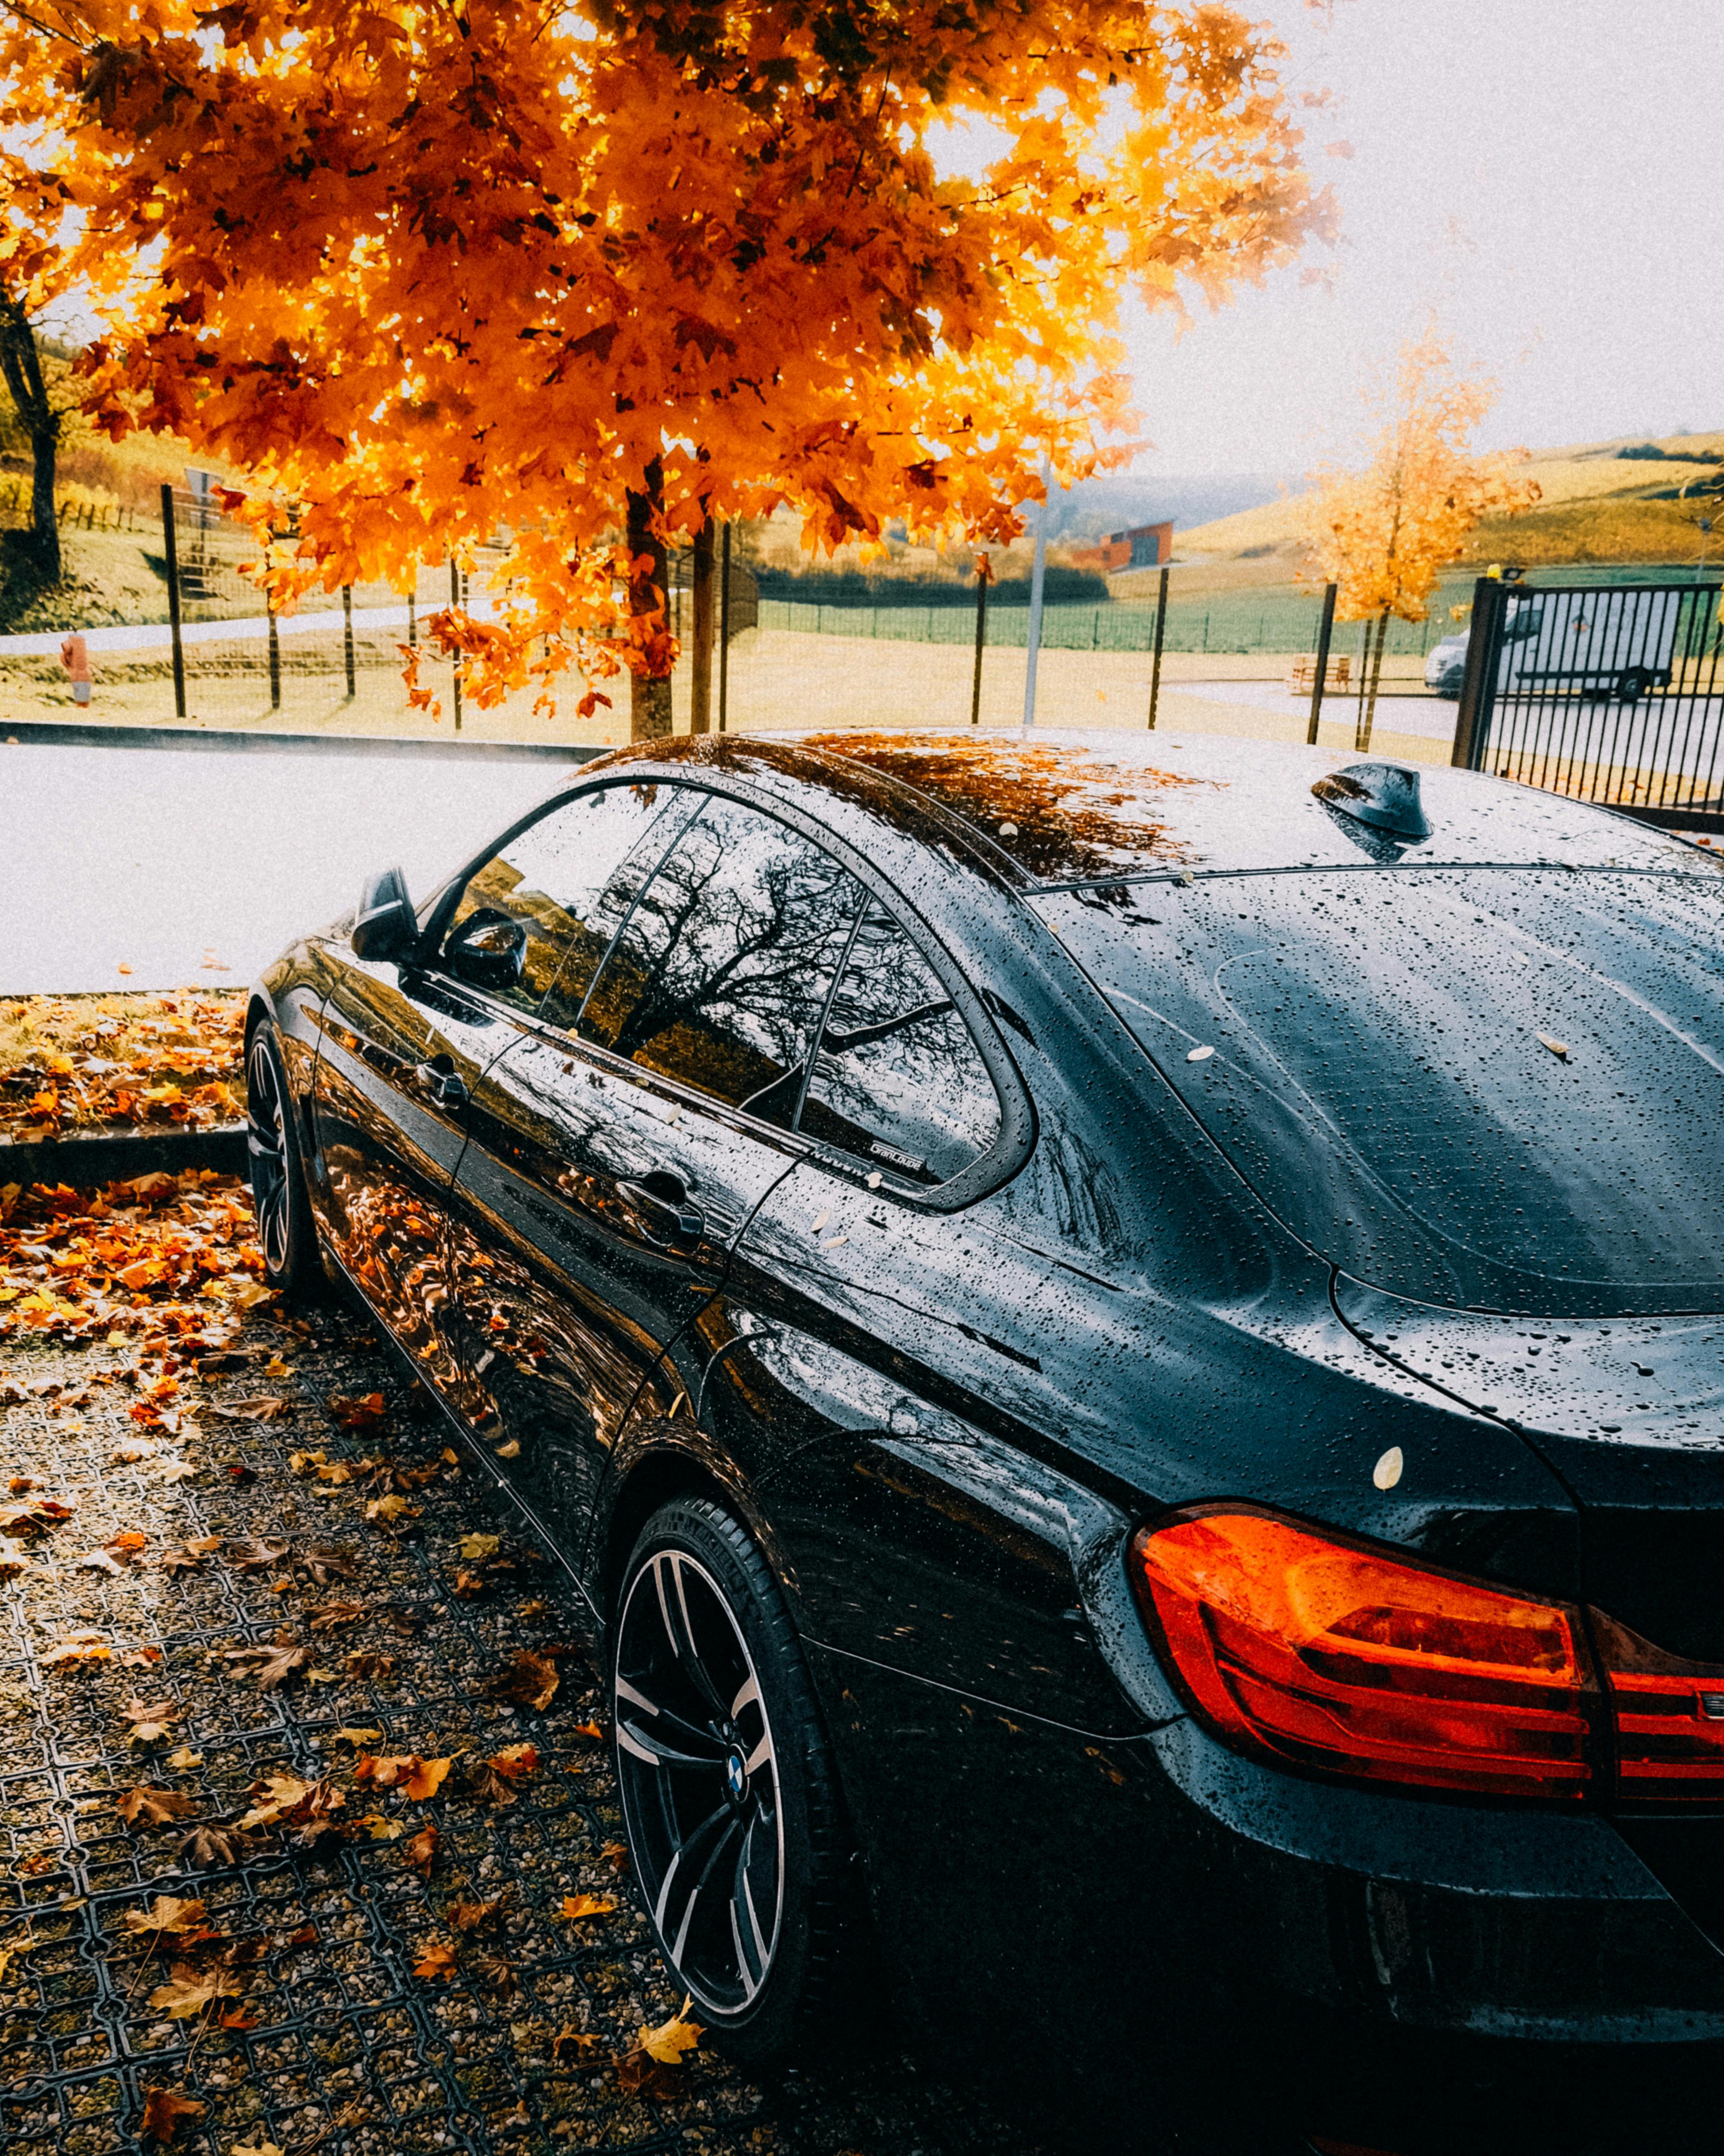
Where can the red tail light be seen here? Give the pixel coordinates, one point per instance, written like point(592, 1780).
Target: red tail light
point(1669, 1716)
point(1325, 1654)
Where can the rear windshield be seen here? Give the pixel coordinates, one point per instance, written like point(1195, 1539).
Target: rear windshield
point(1495, 1089)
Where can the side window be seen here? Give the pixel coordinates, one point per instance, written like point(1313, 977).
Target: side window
point(528, 916)
point(720, 976)
point(897, 1078)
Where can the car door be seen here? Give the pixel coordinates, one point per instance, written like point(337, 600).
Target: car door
point(627, 1137)
point(402, 1046)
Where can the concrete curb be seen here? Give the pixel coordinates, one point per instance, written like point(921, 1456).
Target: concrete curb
point(228, 741)
point(117, 1157)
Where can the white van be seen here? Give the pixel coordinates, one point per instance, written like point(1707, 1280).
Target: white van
point(1586, 641)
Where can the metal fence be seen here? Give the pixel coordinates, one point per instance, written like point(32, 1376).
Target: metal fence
point(1609, 692)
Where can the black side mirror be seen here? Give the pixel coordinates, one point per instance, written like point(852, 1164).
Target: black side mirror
point(488, 950)
point(386, 926)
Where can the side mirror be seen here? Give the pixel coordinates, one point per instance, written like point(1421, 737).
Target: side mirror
point(386, 926)
point(488, 950)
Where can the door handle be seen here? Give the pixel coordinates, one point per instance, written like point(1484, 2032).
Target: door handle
point(667, 1217)
point(443, 1081)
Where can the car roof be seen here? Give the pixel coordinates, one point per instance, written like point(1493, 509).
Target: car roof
point(1067, 806)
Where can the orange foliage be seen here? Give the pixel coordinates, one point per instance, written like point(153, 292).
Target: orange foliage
point(1383, 535)
point(434, 273)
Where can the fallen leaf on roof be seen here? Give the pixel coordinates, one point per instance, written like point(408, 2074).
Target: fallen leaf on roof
point(154, 1807)
point(164, 2109)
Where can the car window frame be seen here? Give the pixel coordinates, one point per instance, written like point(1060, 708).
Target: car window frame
point(993, 1165)
point(437, 910)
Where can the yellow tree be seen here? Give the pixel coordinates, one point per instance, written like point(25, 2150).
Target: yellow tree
point(591, 275)
point(1382, 536)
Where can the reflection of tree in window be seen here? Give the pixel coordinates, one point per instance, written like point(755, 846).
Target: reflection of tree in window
point(897, 1078)
point(549, 878)
point(720, 976)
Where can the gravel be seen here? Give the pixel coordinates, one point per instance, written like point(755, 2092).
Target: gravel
point(346, 2049)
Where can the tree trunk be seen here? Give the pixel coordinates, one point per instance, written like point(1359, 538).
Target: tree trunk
point(1362, 739)
point(648, 580)
point(23, 369)
point(700, 689)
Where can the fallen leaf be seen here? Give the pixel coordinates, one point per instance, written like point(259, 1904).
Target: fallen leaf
point(14, 1558)
point(367, 1665)
point(275, 1368)
point(31, 1514)
point(356, 1737)
point(253, 2148)
point(99, 1560)
point(478, 1548)
point(175, 1470)
point(237, 2017)
point(472, 1916)
point(1559, 1049)
point(154, 1807)
point(381, 1828)
point(265, 1408)
point(164, 2109)
point(211, 1847)
point(170, 1917)
point(391, 1508)
point(326, 1618)
point(640, 2074)
point(668, 2042)
point(187, 1991)
point(325, 1565)
point(419, 1778)
point(588, 1729)
point(499, 1974)
point(184, 1758)
point(422, 1850)
point(151, 1722)
point(358, 1413)
point(78, 1651)
point(578, 2037)
point(530, 1681)
point(516, 1761)
point(273, 1665)
point(511, 1451)
point(436, 1959)
point(616, 1855)
point(256, 1553)
point(586, 1905)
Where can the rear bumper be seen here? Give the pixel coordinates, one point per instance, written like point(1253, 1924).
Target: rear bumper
point(1120, 1927)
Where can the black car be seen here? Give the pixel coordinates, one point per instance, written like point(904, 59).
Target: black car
point(1123, 1341)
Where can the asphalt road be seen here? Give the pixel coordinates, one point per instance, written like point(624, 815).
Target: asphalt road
point(193, 867)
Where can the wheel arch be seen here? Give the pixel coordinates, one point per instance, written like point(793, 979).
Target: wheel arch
point(677, 1469)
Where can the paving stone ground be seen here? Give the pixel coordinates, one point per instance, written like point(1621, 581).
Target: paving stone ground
point(346, 2050)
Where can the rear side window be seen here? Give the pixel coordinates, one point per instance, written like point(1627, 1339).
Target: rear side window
point(723, 968)
point(897, 1078)
point(548, 879)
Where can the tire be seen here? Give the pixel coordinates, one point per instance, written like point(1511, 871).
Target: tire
point(285, 1230)
point(722, 1762)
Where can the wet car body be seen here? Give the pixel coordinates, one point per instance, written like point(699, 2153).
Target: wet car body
point(943, 1407)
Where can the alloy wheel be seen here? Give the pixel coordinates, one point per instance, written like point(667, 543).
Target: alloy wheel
point(266, 1143)
point(699, 1776)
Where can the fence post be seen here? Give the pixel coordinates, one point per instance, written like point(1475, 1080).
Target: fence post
point(1326, 631)
point(1478, 685)
point(981, 639)
point(347, 636)
point(724, 630)
point(1038, 581)
point(454, 600)
point(170, 546)
point(274, 659)
point(1155, 663)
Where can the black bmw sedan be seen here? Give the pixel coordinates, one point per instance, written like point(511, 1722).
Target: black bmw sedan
point(1124, 1342)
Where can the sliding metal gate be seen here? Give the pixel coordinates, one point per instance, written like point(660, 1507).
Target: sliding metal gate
point(1610, 693)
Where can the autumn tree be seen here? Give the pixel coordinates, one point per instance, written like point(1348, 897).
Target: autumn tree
point(594, 276)
point(33, 274)
point(1382, 536)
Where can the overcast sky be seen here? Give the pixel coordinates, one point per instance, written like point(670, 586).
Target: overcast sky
point(1546, 172)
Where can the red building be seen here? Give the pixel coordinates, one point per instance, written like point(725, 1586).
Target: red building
point(1144, 547)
